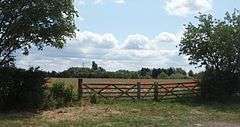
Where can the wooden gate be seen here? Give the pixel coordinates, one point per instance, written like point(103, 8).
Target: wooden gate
point(138, 90)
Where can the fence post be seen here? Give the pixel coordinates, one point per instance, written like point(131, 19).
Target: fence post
point(80, 90)
point(138, 90)
point(155, 91)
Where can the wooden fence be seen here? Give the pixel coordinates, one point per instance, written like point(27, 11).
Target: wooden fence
point(138, 90)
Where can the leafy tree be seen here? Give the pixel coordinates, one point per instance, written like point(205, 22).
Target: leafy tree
point(145, 71)
point(162, 75)
point(190, 73)
point(40, 23)
point(215, 44)
point(101, 69)
point(94, 66)
point(155, 73)
point(180, 71)
point(170, 71)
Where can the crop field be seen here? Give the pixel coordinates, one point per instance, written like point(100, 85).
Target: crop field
point(74, 81)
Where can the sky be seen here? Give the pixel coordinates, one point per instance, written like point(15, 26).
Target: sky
point(127, 34)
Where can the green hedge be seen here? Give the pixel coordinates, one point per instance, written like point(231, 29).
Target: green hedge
point(219, 85)
point(21, 89)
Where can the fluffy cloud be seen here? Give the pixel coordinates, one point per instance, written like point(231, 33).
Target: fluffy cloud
point(185, 7)
point(134, 52)
point(142, 42)
point(137, 41)
point(120, 1)
point(166, 37)
point(94, 40)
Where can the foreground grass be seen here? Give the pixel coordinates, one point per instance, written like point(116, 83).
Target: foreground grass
point(131, 114)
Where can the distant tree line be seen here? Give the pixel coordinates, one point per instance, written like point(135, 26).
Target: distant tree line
point(98, 72)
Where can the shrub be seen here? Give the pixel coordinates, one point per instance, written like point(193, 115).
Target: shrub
point(162, 75)
point(21, 89)
point(93, 99)
point(219, 85)
point(60, 95)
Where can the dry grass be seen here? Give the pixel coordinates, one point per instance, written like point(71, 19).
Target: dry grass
point(128, 114)
point(90, 112)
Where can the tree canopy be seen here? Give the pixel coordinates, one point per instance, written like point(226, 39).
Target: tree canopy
point(27, 23)
point(97, 71)
point(214, 43)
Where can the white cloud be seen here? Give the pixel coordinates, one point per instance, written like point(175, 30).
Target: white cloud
point(137, 41)
point(185, 7)
point(142, 42)
point(98, 1)
point(120, 1)
point(166, 37)
point(94, 40)
point(134, 52)
point(80, 2)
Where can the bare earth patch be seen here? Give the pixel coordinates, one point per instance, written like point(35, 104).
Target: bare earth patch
point(76, 113)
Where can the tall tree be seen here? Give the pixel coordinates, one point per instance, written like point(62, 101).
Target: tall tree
point(145, 72)
point(27, 23)
point(190, 73)
point(94, 66)
point(215, 44)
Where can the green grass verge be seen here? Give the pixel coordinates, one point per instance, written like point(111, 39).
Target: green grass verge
point(130, 114)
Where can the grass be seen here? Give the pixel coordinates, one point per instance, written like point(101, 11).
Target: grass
point(131, 114)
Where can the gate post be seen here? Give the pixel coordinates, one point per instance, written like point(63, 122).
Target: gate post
point(155, 91)
point(80, 90)
point(138, 90)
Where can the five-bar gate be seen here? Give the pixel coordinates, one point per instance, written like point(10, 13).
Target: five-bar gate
point(138, 90)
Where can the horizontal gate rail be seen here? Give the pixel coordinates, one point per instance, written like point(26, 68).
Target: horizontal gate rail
point(138, 90)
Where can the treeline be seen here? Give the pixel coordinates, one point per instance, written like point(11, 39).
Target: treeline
point(145, 73)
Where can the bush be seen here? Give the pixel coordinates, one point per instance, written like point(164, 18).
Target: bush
point(162, 75)
point(219, 85)
point(93, 98)
point(21, 89)
point(60, 95)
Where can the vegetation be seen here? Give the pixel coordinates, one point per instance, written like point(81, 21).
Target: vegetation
point(215, 44)
point(21, 89)
point(39, 23)
point(131, 114)
point(60, 95)
point(190, 73)
point(93, 98)
point(99, 72)
point(26, 90)
point(212, 43)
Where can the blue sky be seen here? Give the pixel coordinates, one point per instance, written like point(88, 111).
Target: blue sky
point(127, 34)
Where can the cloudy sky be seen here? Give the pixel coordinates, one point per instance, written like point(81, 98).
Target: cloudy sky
point(127, 34)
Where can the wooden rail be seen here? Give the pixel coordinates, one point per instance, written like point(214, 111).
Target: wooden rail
point(156, 90)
